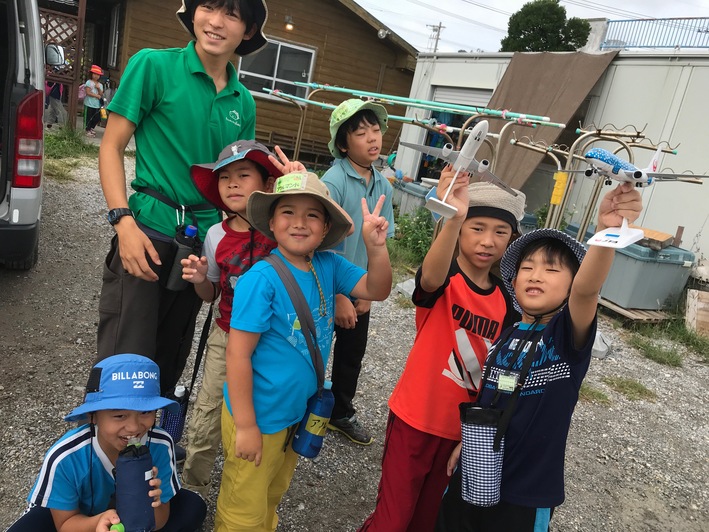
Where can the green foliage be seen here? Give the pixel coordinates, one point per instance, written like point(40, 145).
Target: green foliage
point(674, 330)
point(542, 212)
point(67, 144)
point(631, 389)
point(589, 394)
point(412, 238)
point(60, 169)
point(656, 353)
point(541, 26)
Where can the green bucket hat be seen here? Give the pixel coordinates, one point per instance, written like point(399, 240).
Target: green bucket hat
point(345, 111)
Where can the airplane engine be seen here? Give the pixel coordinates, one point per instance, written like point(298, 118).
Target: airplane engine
point(641, 178)
point(484, 164)
point(446, 150)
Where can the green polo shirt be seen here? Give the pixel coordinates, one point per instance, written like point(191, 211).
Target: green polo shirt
point(348, 188)
point(180, 121)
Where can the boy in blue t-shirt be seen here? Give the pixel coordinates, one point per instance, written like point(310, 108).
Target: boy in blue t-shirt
point(75, 488)
point(555, 283)
point(270, 373)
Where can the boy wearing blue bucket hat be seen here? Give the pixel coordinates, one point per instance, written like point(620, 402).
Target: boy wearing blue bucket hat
point(75, 487)
point(555, 283)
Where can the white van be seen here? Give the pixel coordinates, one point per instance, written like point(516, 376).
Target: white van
point(22, 60)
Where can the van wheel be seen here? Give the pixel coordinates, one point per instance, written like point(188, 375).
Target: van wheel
point(25, 264)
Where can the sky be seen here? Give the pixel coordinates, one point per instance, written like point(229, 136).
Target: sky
point(479, 25)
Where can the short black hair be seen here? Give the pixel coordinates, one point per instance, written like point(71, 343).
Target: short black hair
point(554, 250)
point(244, 8)
point(367, 116)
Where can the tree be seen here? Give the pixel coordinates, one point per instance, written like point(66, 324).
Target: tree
point(541, 26)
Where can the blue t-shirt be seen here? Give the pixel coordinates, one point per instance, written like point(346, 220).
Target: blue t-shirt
point(77, 474)
point(535, 442)
point(348, 188)
point(283, 373)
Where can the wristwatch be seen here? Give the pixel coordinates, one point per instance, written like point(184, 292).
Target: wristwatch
point(114, 215)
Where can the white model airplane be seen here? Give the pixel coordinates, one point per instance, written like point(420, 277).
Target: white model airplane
point(462, 161)
point(611, 167)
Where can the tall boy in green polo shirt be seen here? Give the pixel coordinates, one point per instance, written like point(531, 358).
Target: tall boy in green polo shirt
point(182, 106)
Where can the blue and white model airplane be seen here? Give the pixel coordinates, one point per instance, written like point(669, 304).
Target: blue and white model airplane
point(611, 167)
point(462, 161)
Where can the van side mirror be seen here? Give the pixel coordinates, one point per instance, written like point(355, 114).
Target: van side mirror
point(54, 55)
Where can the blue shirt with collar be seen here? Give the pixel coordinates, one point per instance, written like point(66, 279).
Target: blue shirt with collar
point(348, 188)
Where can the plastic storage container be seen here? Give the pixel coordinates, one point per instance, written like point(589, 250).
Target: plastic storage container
point(413, 196)
point(642, 278)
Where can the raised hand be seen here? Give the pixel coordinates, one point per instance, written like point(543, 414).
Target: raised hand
point(194, 269)
point(284, 164)
point(458, 196)
point(624, 201)
point(374, 226)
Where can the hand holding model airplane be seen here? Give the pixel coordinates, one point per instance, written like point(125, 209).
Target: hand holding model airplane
point(462, 161)
point(611, 167)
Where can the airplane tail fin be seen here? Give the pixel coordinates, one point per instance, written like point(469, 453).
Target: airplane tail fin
point(655, 161)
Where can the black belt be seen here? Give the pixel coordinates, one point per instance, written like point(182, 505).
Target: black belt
point(172, 203)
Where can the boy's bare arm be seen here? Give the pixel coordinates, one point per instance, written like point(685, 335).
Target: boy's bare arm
point(624, 201)
point(375, 285)
point(133, 244)
point(74, 521)
point(239, 373)
point(436, 263)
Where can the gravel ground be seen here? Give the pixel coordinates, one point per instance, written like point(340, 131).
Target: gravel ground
point(631, 465)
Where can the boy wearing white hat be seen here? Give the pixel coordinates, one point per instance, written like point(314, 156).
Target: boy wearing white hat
point(270, 372)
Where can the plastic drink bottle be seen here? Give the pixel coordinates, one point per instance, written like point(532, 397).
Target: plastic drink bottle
point(308, 438)
point(174, 423)
point(134, 469)
point(186, 241)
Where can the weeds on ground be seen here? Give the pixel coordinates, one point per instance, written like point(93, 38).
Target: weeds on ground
point(60, 169)
point(675, 330)
point(631, 389)
point(656, 353)
point(589, 394)
point(412, 238)
point(68, 143)
point(404, 302)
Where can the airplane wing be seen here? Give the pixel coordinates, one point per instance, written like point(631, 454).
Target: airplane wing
point(480, 170)
point(686, 178)
point(449, 156)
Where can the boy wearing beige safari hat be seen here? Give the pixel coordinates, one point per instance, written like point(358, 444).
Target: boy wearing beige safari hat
point(356, 129)
point(270, 373)
point(182, 105)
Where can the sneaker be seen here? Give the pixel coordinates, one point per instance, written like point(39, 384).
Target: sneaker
point(90, 133)
point(180, 454)
point(350, 427)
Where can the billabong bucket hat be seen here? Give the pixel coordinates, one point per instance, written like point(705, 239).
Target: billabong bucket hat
point(345, 111)
point(247, 46)
point(508, 264)
point(123, 382)
point(486, 199)
point(205, 175)
point(258, 209)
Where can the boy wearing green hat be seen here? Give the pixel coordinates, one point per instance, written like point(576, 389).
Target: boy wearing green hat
point(182, 105)
point(356, 129)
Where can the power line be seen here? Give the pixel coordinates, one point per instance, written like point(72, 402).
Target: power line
point(595, 6)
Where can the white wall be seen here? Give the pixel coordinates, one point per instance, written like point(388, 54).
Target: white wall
point(664, 96)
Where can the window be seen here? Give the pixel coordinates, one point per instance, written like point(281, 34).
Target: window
point(113, 36)
point(276, 67)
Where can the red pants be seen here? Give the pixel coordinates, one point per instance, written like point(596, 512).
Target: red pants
point(413, 480)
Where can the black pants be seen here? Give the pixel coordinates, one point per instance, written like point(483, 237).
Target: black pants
point(456, 515)
point(93, 117)
point(187, 513)
point(350, 345)
point(145, 318)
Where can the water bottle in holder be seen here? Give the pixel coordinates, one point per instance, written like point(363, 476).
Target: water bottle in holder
point(308, 437)
point(134, 469)
point(187, 244)
point(174, 422)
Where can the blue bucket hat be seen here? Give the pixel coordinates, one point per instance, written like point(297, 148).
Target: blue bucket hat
point(123, 382)
point(508, 264)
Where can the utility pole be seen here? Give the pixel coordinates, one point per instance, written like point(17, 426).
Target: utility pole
point(436, 29)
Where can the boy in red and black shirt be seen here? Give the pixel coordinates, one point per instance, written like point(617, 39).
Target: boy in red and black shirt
point(461, 308)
